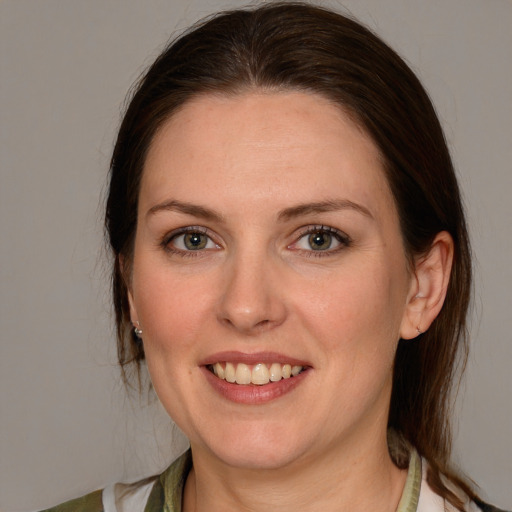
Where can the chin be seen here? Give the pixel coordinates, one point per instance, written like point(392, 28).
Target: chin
point(257, 459)
point(256, 448)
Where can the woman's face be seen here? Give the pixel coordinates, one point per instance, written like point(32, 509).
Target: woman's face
point(268, 241)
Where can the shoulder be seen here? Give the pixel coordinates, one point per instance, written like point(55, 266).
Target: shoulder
point(149, 494)
point(92, 502)
point(114, 498)
point(485, 507)
point(429, 501)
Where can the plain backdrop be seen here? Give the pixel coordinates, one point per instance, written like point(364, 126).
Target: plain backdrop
point(67, 424)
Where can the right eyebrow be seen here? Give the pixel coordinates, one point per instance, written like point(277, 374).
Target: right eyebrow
point(186, 208)
point(332, 205)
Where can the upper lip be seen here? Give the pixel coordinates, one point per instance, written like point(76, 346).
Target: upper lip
point(252, 358)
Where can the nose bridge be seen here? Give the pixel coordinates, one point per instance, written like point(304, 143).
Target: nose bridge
point(251, 300)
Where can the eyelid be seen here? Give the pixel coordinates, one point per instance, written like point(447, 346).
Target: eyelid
point(340, 236)
point(343, 239)
point(307, 230)
point(175, 233)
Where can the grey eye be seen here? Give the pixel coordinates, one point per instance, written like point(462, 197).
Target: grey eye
point(195, 241)
point(320, 241)
point(192, 241)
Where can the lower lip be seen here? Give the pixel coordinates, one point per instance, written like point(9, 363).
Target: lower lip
point(253, 394)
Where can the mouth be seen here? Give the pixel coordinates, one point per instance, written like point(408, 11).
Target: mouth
point(254, 378)
point(258, 374)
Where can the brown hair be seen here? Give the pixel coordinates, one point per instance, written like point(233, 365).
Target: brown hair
point(296, 46)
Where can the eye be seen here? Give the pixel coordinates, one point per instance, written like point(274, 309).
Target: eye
point(190, 240)
point(321, 239)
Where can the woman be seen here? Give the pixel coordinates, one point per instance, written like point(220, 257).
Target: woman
point(292, 262)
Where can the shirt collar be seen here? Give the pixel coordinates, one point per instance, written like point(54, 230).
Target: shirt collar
point(173, 483)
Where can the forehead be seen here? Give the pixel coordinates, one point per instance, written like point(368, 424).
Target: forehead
point(263, 146)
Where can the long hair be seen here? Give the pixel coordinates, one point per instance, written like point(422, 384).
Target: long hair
point(296, 46)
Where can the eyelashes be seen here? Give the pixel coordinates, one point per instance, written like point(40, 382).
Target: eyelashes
point(321, 241)
point(189, 241)
point(198, 241)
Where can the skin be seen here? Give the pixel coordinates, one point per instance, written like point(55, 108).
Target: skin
point(250, 160)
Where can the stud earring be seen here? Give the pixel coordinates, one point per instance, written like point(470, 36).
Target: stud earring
point(417, 329)
point(137, 330)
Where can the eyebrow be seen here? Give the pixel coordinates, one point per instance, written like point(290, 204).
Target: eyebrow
point(187, 208)
point(331, 205)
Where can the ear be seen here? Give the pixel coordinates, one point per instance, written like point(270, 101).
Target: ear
point(126, 276)
point(428, 287)
point(134, 317)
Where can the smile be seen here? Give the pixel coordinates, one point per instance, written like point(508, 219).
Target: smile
point(258, 374)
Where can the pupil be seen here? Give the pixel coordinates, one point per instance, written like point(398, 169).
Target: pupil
point(320, 241)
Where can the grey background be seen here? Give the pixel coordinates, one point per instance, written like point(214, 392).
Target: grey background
point(67, 424)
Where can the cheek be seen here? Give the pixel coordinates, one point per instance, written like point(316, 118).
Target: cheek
point(171, 308)
point(355, 298)
point(172, 311)
point(357, 313)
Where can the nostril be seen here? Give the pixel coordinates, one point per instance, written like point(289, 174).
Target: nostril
point(248, 326)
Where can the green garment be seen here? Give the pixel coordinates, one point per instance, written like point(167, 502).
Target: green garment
point(171, 483)
point(89, 503)
point(166, 494)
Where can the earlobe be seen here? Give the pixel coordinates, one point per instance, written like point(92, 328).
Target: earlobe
point(429, 286)
point(124, 271)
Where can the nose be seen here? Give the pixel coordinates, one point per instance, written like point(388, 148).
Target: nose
point(252, 297)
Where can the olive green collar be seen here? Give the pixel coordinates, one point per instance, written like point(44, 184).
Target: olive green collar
point(167, 493)
point(411, 493)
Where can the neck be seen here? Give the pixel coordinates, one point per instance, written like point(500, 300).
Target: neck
point(335, 480)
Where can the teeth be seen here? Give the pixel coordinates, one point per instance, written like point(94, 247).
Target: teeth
point(276, 372)
point(260, 374)
point(219, 371)
point(296, 370)
point(243, 374)
point(230, 374)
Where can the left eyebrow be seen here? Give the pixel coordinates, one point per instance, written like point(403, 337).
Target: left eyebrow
point(331, 205)
point(186, 208)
